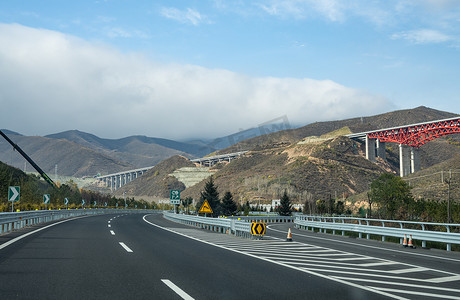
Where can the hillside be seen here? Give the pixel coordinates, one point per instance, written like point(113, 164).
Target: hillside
point(71, 159)
point(139, 151)
point(431, 183)
point(82, 154)
point(386, 120)
point(156, 183)
point(317, 170)
point(310, 166)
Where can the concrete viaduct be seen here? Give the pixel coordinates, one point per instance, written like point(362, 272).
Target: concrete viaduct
point(212, 160)
point(117, 180)
point(409, 138)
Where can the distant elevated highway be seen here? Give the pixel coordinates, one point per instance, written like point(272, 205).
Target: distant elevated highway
point(410, 138)
point(212, 160)
point(117, 180)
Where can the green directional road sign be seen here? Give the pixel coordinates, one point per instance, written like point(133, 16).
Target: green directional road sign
point(82, 202)
point(66, 201)
point(174, 196)
point(46, 198)
point(13, 193)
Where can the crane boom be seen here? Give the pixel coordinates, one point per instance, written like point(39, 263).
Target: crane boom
point(36, 167)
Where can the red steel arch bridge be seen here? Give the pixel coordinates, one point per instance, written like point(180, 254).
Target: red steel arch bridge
point(409, 138)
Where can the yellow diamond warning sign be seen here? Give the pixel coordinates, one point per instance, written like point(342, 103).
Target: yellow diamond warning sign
point(205, 208)
point(258, 228)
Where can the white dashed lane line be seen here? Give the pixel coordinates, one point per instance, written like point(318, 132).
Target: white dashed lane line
point(177, 289)
point(125, 247)
point(111, 232)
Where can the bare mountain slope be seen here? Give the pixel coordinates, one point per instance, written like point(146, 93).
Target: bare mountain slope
point(71, 159)
point(322, 170)
point(386, 120)
point(140, 151)
point(156, 182)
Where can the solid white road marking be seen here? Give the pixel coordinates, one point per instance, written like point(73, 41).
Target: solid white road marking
point(125, 247)
point(32, 232)
point(415, 293)
point(177, 289)
point(444, 279)
point(367, 246)
point(281, 264)
point(111, 232)
point(399, 283)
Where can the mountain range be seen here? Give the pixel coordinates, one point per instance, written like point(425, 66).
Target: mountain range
point(313, 158)
point(311, 162)
point(80, 154)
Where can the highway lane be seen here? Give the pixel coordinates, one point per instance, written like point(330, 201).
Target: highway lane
point(384, 266)
point(380, 267)
point(428, 258)
point(83, 259)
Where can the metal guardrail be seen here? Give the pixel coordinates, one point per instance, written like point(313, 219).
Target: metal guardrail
point(222, 225)
point(265, 219)
point(10, 221)
point(382, 228)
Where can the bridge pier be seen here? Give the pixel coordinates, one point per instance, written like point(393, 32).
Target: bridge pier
point(381, 150)
point(370, 149)
point(415, 159)
point(409, 160)
point(374, 148)
point(404, 160)
point(409, 157)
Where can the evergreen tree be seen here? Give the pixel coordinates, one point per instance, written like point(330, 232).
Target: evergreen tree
point(285, 207)
point(228, 205)
point(211, 194)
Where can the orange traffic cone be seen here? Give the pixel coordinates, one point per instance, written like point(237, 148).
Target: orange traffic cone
point(289, 236)
point(410, 244)
point(405, 241)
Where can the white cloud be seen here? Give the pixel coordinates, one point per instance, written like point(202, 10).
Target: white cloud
point(50, 82)
point(330, 9)
point(422, 36)
point(117, 32)
point(189, 15)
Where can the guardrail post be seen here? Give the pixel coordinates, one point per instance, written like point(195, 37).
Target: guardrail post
point(367, 235)
point(449, 245)
point(401, 238)
point(423, 242)
point(383, 237)
point(360, 234)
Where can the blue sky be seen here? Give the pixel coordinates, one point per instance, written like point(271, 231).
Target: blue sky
point(183, 69)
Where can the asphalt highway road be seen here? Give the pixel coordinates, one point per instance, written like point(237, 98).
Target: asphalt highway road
point(134, 256)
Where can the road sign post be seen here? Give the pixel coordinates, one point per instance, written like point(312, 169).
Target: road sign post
point(13, 195)
point(205, 208)
point(46, 199)
point(258, 228)
point(174, 197)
